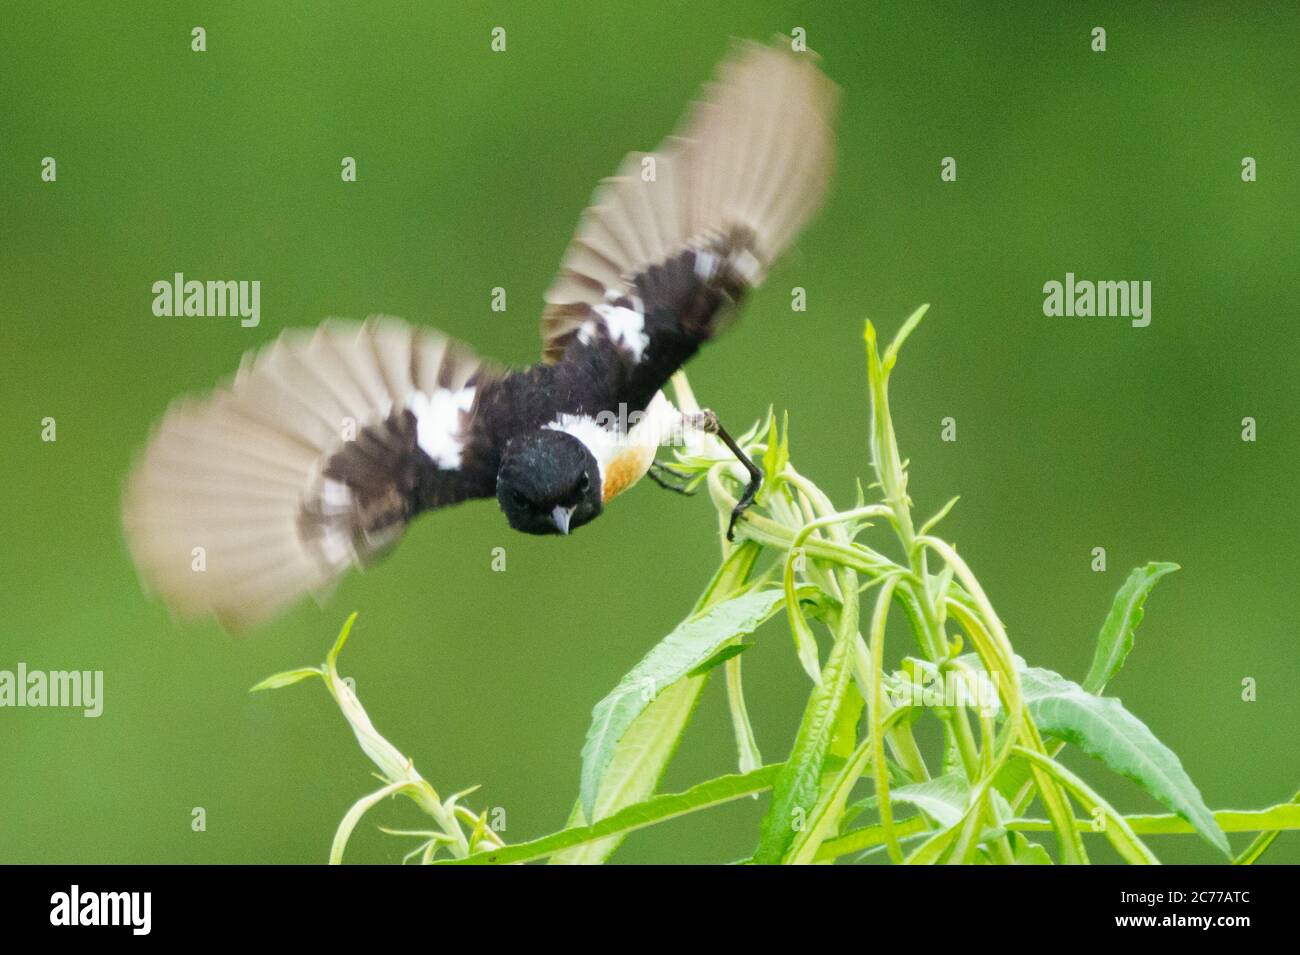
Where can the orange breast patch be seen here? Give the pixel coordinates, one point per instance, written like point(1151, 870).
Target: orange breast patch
point(625, 469)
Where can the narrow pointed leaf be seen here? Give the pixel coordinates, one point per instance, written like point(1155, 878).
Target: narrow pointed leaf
point(1116, 637)
point(798, 787)
point(693, 643)
point(287, 678)
point(714, 792)
point(642, 755)
point(1103, 728)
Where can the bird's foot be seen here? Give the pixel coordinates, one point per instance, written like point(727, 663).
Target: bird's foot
point(676, 480)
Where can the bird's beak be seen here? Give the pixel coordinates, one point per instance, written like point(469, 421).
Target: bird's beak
point(561, 517)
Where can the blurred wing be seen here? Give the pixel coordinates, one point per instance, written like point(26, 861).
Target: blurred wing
point(681, 231)
point(312, 460)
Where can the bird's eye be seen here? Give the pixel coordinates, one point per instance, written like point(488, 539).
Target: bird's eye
point(585, 484)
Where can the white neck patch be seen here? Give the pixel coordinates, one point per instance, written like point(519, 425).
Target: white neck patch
point(606, 436)
point(600, 441)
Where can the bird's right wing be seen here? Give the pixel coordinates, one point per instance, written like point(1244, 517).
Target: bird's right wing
point(312, 460)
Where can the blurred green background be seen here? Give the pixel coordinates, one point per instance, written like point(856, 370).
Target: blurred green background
point(473, 167)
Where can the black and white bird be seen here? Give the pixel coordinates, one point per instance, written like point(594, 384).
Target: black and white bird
point(327, 443)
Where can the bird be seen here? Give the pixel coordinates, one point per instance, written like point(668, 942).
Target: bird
point(327, 442)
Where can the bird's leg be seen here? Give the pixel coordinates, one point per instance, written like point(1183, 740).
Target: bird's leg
point(678, 485)
point(708, 422)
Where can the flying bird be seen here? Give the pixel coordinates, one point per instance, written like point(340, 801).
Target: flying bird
point(328, 442)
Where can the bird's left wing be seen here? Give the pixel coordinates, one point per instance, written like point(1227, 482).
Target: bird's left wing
point(312, 460)
point(679, 233)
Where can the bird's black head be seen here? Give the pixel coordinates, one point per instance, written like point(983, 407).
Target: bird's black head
point(548, 483)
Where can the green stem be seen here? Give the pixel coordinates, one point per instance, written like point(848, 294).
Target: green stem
point(1259, 845)
point(1116, 827)
point(875, 711)
point(899, 735)
point(654, 810)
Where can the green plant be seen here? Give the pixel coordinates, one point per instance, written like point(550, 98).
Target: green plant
point(396, 772)
point(1003, 722)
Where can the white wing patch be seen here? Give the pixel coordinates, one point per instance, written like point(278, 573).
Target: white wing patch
point(438, 423)
point(240, 472)
point(751, 158)
point(626, 328)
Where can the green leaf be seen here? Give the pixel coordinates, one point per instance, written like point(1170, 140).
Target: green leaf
point(287, 678)
point(687, 647)
point(797, 791)
point(721, 657)
point(935, 848)
point(658, 809)
point(732, 577)
point(942, 799)
point(942, 513)
point(829, 813)
point(1116, 637)
point(844, 733)
point(639, 760)
point(798, 788)
point(962, 813)
point(1026, 852)
point(641, 757)
point(909, 326)
point(805, 644)
point(331, 658)
point(777, 454)
point(1103, 728)
point(748, 754)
